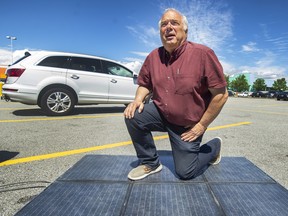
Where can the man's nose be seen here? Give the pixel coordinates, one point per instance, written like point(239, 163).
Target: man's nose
point(169, 27)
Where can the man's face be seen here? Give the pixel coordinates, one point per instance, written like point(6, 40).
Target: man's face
point(172, 31)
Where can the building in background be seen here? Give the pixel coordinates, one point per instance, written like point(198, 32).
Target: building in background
point(2, 78)
point(2, 73)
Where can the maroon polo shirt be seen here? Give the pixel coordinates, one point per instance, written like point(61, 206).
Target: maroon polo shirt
point(180, 81)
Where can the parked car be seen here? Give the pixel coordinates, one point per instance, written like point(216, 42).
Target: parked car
point(282, 96)
point(57, 81)
point(272, 94)
point(231, 93)
point(260, 94)
point(243, 94)
point(255, 94)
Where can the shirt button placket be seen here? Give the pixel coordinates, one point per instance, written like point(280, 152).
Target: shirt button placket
point(167, 91)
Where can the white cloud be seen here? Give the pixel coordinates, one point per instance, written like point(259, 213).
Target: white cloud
point(250, 47)
point(266, 72)
point(142, 54)
point(6, 57)
point(133, 65)
point(131, 59)
point(209, 22)
point(265, 67)
point(279, 41)
point(268, 59)
point(148, 35)
point(268, 66)
point(228, 67)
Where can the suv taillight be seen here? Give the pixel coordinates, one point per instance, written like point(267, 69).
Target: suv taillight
point(15, 72)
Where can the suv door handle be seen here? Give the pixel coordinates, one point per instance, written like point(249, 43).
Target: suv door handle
point(113, 81)
point(75, 76)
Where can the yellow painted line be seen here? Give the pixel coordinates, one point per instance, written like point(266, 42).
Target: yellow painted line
point(229, 125)
point(14, 108)
point(211, 129)
point(63, 154)
point(274, 105)
point(7, 108)
point(58, 118)
point(95, 148)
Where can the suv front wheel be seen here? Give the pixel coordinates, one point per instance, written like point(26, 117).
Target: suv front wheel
point(57, 102)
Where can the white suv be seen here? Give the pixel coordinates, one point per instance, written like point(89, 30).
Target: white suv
point(57, 81)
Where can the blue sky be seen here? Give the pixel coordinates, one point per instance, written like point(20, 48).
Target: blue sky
point(247, 35)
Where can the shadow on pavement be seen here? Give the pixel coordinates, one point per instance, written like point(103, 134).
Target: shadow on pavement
point(77, 111)
point(6, 155)
point(28, 112)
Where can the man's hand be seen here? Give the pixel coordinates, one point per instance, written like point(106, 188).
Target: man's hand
point(141, 93)
point(131, 108)
point(219, 98)
point(193, 132)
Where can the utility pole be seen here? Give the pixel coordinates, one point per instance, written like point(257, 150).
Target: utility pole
point(11, 38)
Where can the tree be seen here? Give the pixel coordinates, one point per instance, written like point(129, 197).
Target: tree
point(240, 84)
point(280, 84)
point(227, 80)
point(259, 85)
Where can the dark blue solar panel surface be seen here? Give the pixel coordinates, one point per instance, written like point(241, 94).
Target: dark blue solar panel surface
point(171, 199)
point(116, 168)
point(70, 198)
point(236, 170)
point(98, 185)
point(252, 199)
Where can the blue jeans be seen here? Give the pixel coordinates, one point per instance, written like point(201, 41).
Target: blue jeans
point(190, 159)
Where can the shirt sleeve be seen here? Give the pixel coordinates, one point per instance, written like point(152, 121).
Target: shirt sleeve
point(144, 78)
point(214, 71)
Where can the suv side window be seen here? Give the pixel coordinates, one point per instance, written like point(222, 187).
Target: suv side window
point(55, 61)
point(116, 69)
point(86, 64)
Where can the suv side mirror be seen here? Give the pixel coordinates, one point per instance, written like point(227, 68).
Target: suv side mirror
point(135, 76)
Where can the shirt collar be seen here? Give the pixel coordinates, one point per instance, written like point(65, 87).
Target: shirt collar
point(175, 54)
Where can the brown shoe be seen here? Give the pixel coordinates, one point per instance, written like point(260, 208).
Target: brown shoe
point(143, 171)
point(217, 141)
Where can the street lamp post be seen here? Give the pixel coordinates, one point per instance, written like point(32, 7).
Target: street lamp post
point(11, 38)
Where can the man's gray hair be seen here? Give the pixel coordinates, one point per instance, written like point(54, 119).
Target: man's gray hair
point(184, 18)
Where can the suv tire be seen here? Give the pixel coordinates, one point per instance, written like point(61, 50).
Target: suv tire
point(57, 102)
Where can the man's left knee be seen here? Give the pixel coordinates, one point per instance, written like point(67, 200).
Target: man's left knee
point(186, 174)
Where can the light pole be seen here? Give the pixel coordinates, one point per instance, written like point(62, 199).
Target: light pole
point(11, 44)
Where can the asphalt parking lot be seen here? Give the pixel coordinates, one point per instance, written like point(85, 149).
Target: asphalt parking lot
point(36, 149)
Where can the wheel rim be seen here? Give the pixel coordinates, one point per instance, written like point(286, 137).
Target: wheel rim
point(59, 102)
